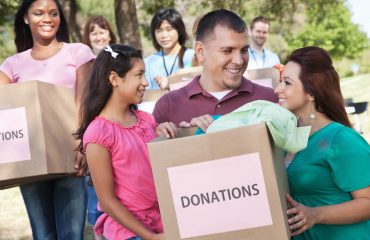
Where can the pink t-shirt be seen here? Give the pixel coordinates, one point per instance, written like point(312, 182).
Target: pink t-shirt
point(59, 69)
point(132, 172)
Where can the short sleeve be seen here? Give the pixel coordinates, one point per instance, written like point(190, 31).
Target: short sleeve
point(148, 118)
point(100, 133)
point(350, 160)
point(162, 109)
point(81, 54)
point(7, 68)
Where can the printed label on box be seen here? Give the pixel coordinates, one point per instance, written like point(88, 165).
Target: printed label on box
point(221, 195)
point(14, 141)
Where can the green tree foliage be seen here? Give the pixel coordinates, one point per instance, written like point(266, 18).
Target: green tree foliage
point(151, 7)
point(329, 26)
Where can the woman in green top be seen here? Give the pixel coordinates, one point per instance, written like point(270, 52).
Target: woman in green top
point(330, 179)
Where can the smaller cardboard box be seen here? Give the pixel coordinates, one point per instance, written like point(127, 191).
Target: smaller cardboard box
point(224, 185)
point(150, 98)
point(183, 77)
point(268, 77)
point(36, 142)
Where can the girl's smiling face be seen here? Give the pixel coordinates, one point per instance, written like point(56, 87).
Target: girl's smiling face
point(131, 87)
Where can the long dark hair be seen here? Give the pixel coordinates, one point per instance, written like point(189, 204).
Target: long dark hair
point(103, 23)
point(23, 35)
point(320, 80)
point(174, 18)
point(98, 88)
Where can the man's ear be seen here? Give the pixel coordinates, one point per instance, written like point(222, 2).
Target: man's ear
point(199, 51)
point(113, 78)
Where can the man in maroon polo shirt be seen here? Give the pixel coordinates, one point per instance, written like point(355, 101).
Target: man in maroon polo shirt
point(222, 48)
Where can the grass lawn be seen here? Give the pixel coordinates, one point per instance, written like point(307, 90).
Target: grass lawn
point(358, 88)
point(14, 223)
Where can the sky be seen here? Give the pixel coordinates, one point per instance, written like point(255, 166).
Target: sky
point(360, 10)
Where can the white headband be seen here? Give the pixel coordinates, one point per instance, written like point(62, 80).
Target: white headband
point(109, 49)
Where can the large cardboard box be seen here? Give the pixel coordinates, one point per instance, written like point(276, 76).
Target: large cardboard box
point(37, 120)
point(268, 77)
point(223, 185)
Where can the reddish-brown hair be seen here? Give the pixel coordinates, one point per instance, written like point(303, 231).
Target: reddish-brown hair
point(321, 80)
point(102, 22)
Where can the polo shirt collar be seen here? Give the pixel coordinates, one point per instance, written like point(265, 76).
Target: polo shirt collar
point(194, 87)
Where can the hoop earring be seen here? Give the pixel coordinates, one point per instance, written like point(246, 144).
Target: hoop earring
point(312, 115)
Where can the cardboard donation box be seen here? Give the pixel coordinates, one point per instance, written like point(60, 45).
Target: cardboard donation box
point(150, 98)
point(37, 120)
point(268, 77)
point(183, 77)
point(223, 185)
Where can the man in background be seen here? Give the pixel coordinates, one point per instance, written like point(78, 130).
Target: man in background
point(259, 56)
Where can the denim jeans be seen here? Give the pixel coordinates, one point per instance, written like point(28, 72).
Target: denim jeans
point(56, 208)
point(135, 238)
point(92, 201)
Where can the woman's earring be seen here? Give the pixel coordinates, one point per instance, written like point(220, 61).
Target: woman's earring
point(312, 115)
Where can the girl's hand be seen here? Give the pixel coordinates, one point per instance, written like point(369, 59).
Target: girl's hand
point(167, 129)
point(162, 82)
point(159, 236)
point(300, 217)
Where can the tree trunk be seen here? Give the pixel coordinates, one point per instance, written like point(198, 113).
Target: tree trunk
point(127, 22)
point(70, 9)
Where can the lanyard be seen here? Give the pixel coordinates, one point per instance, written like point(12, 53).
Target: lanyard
point(255, 59)
point(173, 64)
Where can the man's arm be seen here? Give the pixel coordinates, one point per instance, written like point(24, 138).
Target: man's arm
point(162, 110)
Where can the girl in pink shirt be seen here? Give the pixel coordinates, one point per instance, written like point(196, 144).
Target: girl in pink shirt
point(114, 136)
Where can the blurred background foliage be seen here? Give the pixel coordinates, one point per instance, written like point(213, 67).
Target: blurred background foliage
point(294, 24)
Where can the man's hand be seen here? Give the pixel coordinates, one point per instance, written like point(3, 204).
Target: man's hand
point(202, 122)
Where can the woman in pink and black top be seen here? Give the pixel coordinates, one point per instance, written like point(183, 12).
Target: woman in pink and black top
point(56, 208)
point(114, 138)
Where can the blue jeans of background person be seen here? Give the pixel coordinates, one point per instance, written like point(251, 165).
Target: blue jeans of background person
point(135, 238)
point(92, 202)
point(56, 208)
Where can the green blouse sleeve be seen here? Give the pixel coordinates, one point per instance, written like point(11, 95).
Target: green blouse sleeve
point(350, 160)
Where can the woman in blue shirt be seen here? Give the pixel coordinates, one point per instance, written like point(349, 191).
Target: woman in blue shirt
point(169, 37)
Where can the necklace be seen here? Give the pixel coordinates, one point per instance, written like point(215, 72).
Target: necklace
point(255, 59)
point(173, 64)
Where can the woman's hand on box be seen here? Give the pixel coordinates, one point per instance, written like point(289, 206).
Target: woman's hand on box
point(162, 82)
point(300, 217)
point(167, 129)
